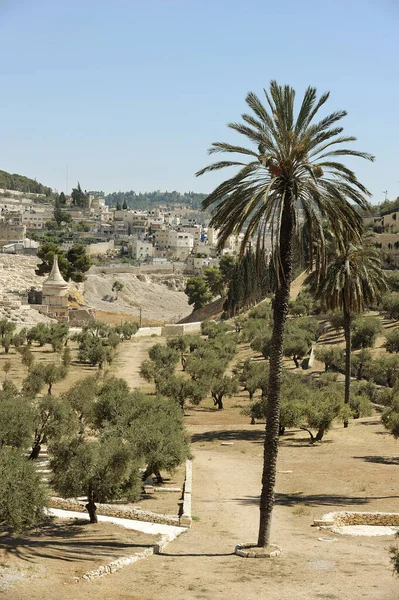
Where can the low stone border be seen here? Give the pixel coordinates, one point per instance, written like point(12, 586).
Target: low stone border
point(186, 516)
point(252, 551)
point(345, 518)
point(114, 510)
point(117, 564)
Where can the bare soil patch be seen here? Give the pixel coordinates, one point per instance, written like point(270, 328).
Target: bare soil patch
point(62, 551)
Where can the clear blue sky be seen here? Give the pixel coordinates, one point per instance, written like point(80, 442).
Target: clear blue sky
point(131, 93)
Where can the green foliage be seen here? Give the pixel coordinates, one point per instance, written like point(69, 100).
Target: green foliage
point(390, 416)
point(73, 265)
point(22, 494)
point(103, 469)
point(390, 304)
point(360, 405)
point(117, 286)
point(262, 343)
point(384, 370)
point(221, 388)
point(212, 329)
point(249, 284)
point(332, 357)
point(66, 357)
point(79, 198)
point(227, 264)
point(53, 421)
point(393, 281)
point(365, 331)
point(127, 330)
point(253, 376)
point(361, 363)
point(392, 343)
point(60, 216)
point(303, 305)
point(17, 416)
point(197, 292)
point(21, 183)
point(79, 263)
point(215, 281)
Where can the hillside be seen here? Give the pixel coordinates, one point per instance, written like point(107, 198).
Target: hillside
point(148, 200)
point(20, 183)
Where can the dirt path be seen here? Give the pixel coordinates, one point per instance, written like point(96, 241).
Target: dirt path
point(129, 357)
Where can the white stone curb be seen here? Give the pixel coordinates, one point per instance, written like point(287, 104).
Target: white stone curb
point(168, 533)
point(186, 517)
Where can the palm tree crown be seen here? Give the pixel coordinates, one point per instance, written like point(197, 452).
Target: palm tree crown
point(292, 160)
point(353, 280)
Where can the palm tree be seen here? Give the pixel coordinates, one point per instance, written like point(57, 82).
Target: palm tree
point(353, 280)
point(292, 176)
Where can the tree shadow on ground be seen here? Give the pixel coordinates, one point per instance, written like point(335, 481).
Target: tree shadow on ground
point(188, 554)
point(383, 460)
point(65, 542)
point(255, 435)
point(314, 500)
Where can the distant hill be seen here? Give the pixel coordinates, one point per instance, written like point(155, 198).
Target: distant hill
point(20, 183)
point(147, 200)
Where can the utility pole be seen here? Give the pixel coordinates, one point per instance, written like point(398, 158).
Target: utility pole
point(386, 195)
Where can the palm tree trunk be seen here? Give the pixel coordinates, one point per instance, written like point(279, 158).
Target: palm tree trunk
point(276, 364)
point(348, 350)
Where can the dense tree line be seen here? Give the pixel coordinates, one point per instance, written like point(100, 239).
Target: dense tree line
point(20, 183)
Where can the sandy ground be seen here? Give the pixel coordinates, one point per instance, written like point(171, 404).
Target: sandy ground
point(354, 469)
point(161, 299)
point(62, 551)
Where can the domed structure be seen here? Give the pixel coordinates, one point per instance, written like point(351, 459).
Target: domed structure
point(55, 292)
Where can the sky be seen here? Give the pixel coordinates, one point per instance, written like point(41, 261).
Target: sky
point(129, 94)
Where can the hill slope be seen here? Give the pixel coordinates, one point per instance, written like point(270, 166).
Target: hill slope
point(20, 183)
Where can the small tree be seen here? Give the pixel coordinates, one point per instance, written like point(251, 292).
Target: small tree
point(197, 292)
point(102, 469)
point(296, 346)
point(390, 417)
point(221, 388)
point(53, 421)
point(390, 304)
point(392, 343)
point(66, 357)
point(181, 344)
point(365, 331)
point(361, 363)
point(117, 287)
point(6, 368)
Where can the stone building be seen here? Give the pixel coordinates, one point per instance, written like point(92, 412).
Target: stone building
point(55, 293)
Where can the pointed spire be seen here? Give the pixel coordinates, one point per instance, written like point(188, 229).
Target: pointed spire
point(55, 275)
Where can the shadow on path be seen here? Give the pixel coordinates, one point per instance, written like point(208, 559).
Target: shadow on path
point(314, 500)
point(382, 460)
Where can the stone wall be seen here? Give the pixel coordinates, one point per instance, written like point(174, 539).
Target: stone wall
point(180, 329)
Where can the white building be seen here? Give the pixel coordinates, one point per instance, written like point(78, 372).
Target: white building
point(175, 243)
point(140, 250)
